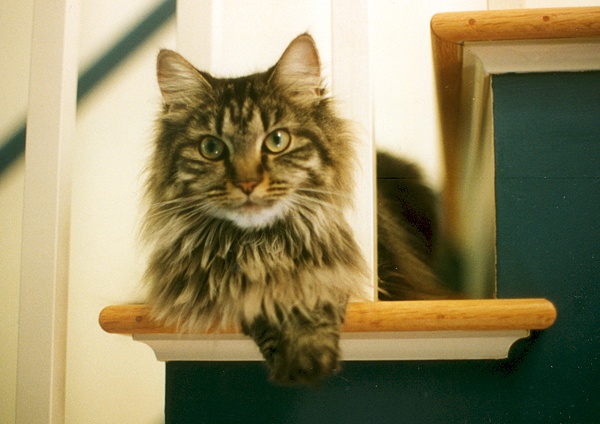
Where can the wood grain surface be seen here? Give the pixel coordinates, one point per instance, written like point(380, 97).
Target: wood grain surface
point(437, 315)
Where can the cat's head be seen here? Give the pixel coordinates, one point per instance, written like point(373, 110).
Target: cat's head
point(253, 149)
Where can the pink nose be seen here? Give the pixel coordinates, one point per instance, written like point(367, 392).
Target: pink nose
point(247, 186)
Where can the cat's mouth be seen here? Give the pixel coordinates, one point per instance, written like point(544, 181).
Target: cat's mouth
point(251, 205)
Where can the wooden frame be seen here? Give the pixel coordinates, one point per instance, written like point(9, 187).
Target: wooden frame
point(450, 32)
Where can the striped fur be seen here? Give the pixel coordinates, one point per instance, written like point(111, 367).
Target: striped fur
point(254, 238)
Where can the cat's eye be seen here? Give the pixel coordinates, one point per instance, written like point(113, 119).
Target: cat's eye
point(212, 148)
point(277, 141)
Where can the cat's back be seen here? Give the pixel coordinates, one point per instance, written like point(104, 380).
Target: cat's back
point(408, 233)
point(407, 199)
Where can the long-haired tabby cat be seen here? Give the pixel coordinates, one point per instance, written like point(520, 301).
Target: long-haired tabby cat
point(247, 188)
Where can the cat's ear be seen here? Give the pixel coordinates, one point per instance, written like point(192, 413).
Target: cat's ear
point(180, 83)
point(298, 71)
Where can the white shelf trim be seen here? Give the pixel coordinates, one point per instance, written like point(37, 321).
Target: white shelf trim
point(520, 56)
point(420, 345)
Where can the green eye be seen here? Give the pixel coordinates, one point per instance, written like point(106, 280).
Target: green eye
point(277, 141)
point(212, 148)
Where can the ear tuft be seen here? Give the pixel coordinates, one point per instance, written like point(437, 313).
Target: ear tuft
point(298, 71)
point(180, 83)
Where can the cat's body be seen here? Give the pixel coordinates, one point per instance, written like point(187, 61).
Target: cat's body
point(247, 189)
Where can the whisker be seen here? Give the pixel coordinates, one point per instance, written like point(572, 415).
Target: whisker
point(308, 202)
point(175, 209)
point(196, 201)
point(184, 209)
point(320, 191)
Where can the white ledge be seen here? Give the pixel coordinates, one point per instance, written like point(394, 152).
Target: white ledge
point(406, 330)
point(422, 345)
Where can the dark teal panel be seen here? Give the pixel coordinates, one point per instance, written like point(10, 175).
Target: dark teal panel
point(549, 125)
point(547, 142)
point(365, 392)
point(548, 236)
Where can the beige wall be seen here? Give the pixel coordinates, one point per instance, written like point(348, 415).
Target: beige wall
point(11, 199)
point(15, 41)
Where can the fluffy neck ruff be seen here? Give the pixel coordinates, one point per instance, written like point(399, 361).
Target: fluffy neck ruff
point(218, 273)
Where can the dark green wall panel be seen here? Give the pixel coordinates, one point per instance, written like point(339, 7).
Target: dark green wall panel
point(547, 125)
point(547, 141)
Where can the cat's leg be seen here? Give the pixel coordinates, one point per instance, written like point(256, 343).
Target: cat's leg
point(302, 346)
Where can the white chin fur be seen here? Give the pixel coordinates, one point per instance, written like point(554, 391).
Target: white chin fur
point(256, 218)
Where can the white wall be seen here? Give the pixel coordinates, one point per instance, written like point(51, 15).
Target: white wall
point(403, 83)
point(11, 201)
point(113, 128)
point(15, 42)
point(533, 4)
point(111, 379)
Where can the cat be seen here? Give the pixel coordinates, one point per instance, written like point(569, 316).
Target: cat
point(247, 187)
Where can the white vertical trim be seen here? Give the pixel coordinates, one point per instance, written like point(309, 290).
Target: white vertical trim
point(45, 252)
point(351, 86)
point(195, 31)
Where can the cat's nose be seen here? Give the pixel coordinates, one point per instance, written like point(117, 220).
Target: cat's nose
point(247, 186)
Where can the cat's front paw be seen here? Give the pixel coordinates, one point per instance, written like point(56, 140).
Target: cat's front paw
point(297, 354)
point(305, 356)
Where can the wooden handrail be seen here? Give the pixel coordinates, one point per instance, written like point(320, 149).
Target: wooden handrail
point(520, 24)
point(365, 317)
